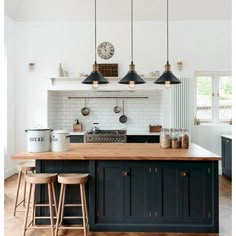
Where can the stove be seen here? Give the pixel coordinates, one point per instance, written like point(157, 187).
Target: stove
point(106, 136)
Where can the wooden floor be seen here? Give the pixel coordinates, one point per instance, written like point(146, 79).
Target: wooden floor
point(13, 225)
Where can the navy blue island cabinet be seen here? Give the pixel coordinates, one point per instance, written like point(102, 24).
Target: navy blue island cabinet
point(226, 149)
point(145, 196)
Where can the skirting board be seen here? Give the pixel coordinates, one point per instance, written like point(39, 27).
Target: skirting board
point(9, 172)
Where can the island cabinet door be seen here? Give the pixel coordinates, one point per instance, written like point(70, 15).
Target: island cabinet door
point(109, 192)
point(138, 193)
point(166, 193)
point(197, 193)
point(226, 156)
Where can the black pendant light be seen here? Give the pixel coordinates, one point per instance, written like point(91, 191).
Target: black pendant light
point(132, 78)
point(167, 78)
point(95, 77)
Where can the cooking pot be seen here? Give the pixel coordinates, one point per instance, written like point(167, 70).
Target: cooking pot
point(60, 140)
point(38, 140)
point(85, 110)
point(123, 118)
point(116, 109)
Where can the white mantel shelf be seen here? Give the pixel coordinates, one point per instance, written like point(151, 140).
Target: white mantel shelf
point(112, 85)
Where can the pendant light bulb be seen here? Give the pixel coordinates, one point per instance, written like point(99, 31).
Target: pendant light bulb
point(95, 84)
point(131, 84)
point(167, 84)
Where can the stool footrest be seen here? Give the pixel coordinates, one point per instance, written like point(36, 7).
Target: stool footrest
point(43, 205)
point(44, 217)
point(73, 205)
point(72, 217)
point(71, 227)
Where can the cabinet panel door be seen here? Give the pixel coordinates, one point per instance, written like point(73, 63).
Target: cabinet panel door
point(228, 155)
point(138, 193)
point(167, 194)
point(196, 195)
point(109, 192)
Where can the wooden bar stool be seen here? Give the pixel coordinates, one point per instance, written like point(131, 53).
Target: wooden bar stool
point(33, 180)
point(23, 169)
point(67, 179)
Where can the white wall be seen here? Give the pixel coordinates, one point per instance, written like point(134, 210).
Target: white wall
point(10, 53)
point(201, 45)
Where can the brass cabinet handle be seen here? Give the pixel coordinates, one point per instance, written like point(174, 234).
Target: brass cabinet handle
point(125, 173)
point(183, 173)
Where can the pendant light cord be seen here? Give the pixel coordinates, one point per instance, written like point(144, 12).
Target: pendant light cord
point(132, 29)
point(95, 45)
point(167, 24)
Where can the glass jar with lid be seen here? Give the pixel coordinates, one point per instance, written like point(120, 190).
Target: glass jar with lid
point(185, 139)
point(165, 138)
point(175, 142)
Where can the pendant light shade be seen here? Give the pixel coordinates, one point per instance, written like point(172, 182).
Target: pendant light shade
point(167, 78)
point(95, 78)
point(132, 78)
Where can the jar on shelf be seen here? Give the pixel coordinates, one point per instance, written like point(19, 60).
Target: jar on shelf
point(185, 139)
point(180, 136)
point(175, 142)
point(165, 138)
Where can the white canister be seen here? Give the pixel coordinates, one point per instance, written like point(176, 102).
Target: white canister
point(38, 140)
point(60, 140)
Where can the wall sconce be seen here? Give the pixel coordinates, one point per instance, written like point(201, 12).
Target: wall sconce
point(180, 65)
point(31, 67)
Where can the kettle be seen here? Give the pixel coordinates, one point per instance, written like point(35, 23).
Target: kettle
point(95, 128)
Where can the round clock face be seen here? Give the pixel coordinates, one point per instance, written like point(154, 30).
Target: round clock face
point(105, 50)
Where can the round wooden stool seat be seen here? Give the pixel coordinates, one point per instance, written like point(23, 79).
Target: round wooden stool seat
point(26, 166)
point(41, 178)
point(73, 178)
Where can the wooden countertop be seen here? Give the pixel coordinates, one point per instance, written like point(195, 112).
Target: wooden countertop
point(125, 151)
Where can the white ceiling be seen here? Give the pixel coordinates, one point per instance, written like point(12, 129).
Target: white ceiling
point(117, 10)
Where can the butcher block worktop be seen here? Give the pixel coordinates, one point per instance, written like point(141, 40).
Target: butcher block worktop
point(124, 151)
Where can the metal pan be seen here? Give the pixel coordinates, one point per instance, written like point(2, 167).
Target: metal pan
point(123, 118)
point(85, 110)
point(117, 109)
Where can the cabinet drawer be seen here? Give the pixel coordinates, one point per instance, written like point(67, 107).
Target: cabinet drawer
point(143, 139)
point(77, 139)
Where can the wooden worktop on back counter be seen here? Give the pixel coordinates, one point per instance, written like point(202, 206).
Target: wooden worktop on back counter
point(124, 151)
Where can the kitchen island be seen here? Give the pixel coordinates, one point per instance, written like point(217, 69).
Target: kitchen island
point(139, 187)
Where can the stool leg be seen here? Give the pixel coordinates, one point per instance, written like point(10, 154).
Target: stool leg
point(63, 203)
point(33, 205)
point(83, 209)
point(27, 211)
point(24, 189)
point(59, 208)
point(17, 192)
point(85, 203)
point(54, 197)
point(50, 208)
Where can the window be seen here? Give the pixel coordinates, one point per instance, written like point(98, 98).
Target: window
point(213, 97)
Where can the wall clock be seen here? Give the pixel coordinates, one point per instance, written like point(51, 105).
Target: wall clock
point(105, 50)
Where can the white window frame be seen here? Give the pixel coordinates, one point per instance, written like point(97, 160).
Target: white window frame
point(215, 75)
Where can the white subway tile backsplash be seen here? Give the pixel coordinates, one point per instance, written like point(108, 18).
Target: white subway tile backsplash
point(62, 111)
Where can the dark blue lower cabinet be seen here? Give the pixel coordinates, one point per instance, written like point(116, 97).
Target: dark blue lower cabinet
point(156, 196)
point(226, 150)
point(141, 196)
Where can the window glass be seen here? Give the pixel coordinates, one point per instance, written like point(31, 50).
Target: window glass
point(225, 98)
point(204, 98)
